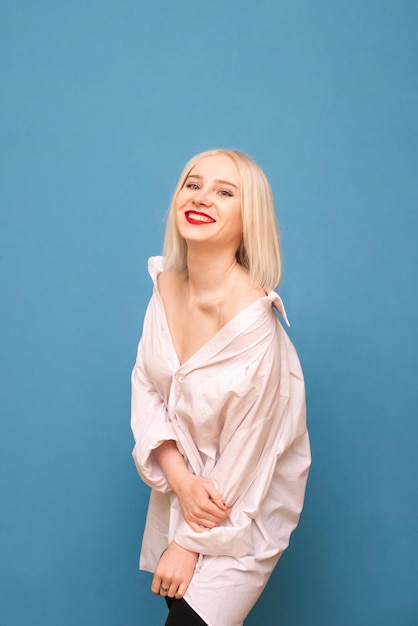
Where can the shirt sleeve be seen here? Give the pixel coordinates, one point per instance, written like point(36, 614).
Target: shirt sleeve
point(270, 445)
point(150, 425)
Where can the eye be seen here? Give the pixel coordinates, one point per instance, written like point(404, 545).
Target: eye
point(225, 193)
point(192, 186)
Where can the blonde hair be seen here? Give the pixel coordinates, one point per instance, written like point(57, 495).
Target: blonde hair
point(259, 251)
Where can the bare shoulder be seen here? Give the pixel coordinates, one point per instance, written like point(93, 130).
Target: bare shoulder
point(242, 295)
point(242, 299)
point(168, 282)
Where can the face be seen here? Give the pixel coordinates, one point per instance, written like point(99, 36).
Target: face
point(208, 206)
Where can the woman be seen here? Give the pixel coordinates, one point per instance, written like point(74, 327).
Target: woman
point(218, 402)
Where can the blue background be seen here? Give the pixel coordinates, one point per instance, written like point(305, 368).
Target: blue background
point(101, 104)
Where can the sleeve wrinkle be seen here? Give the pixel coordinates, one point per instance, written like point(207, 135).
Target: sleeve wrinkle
point(150, 426)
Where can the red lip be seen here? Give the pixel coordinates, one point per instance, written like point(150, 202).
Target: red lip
point(191, 220)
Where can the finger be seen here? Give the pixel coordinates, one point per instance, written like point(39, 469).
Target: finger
point(165, 590)
point(206, 522)
point(213, 513)
point(199, 528)
point(203, 518)
point(181, 591)
point(156, 584)
point(216, 497)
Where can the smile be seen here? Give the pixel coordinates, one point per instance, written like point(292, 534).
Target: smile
point(198, 218)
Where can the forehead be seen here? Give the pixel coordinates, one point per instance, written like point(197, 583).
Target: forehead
point(217, 166)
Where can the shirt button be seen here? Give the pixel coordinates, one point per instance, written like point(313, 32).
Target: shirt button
point(178, 377)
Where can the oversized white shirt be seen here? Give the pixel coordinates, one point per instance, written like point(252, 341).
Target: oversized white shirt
point(236, 409)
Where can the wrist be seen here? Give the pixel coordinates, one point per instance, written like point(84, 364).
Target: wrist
point(172, 463)
point(177, 545)
point(179, 479)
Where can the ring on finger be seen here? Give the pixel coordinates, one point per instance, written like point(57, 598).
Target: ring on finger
point(165, 589)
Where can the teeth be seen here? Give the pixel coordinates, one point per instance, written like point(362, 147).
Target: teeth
point(199, 218)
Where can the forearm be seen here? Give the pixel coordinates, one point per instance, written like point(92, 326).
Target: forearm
point(201, 503)
point(172, 464)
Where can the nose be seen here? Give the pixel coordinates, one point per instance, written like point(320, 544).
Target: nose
point(201, 197)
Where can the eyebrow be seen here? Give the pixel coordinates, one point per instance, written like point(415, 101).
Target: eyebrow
point(223, 182)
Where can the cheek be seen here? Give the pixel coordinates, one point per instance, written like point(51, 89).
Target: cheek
point(238, 217)
point(241, 227)
point(177, 217)
point(178, 206)
point(181, 197)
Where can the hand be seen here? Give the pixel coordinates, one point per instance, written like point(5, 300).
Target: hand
point(174, 571)
point(201, 503)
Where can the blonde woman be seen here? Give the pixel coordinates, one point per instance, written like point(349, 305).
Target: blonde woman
point(218, 400)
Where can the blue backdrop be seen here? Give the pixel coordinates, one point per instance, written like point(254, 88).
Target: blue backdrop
point(101, 104)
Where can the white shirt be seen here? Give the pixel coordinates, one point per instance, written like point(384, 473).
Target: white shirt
point(236, 409)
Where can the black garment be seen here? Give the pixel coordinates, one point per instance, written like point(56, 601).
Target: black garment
point(181, 614)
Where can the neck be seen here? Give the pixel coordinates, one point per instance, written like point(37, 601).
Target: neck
point(209, 273)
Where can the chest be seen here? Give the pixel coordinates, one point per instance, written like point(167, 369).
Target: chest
point(192, 327)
